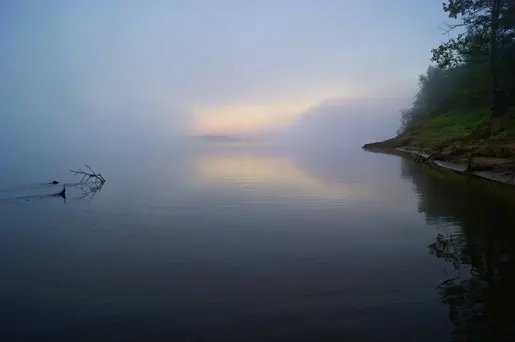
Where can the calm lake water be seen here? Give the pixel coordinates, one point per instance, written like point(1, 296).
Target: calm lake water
point(256, 243)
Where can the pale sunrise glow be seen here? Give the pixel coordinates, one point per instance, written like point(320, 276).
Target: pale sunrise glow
point(279, 172)
point(246, 119)
point(252, 118)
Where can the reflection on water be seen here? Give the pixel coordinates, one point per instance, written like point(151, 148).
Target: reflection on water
point(88, 191)
point(480, 288)
point(275, 171)
point(244, 245)
point(246, 167)
point(40, 191)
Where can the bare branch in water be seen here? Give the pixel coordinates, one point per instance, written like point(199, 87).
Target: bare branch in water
point(89, 175)
point(88, 191)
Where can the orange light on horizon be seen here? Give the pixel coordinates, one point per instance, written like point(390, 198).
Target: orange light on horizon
point(247, 119)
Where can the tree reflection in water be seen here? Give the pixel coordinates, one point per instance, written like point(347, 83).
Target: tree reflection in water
point(476, 236)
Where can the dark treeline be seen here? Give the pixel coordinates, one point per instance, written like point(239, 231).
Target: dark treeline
point(469, 67)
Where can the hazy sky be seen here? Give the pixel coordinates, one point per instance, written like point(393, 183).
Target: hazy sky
point(215, 66)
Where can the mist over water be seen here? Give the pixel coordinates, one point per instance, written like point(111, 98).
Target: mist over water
point(238, 204)
point(246, 240)
point(135, 132)
point(296, 234)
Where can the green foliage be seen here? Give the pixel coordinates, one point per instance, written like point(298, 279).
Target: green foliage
point(474, 17)
point(461, 80)
point(443, 90)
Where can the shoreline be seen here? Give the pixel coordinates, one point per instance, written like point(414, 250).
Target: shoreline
point(388, 147)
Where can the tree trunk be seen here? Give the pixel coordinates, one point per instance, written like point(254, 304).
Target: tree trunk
point(494, 27)
point(497, 98)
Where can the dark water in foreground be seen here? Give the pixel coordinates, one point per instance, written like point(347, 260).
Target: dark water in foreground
point(243, 243)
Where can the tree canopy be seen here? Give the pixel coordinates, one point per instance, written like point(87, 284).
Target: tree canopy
point(480, 57)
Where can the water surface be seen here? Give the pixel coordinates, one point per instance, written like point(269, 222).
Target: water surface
point(256, 243)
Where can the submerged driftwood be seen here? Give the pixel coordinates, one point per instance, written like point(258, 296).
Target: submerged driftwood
point(61, 193)
point(88, 189)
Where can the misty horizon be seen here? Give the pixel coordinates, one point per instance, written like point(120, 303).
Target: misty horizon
point(122, 71)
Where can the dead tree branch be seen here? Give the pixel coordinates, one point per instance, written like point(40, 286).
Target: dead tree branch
point(451, 27)
point(430, 157)
point(88, 175)
point(421, 158)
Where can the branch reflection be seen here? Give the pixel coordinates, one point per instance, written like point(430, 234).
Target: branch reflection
point(52, 191)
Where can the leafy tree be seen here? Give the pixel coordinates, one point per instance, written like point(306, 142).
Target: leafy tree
point(470, 66)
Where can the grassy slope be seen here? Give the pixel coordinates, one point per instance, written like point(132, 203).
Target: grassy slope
point(451, 127)
point(456, 126)
point(459, 135)
point(447, 127)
